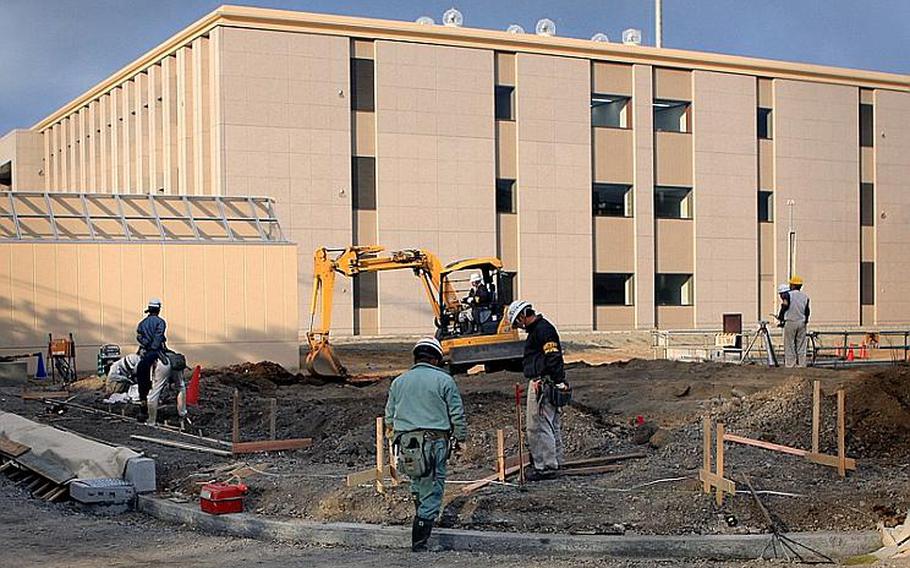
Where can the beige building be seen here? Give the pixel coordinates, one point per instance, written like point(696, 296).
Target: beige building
point(625, 186)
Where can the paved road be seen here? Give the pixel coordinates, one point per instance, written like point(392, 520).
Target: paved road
point(50, 536)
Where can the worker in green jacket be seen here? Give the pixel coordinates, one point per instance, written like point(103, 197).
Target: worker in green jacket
point(424, 416)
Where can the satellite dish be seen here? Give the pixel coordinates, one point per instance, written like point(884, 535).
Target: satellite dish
point(452, 17)
point(425, 20)
point(600, 37)
point(545, 27)
point(515, 29)
point(631, 36)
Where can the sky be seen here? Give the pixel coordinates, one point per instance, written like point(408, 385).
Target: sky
point(51, 51)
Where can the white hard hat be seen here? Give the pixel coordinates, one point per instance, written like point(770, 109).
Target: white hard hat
point(515, 308)
point(476, 278)
point(155, 303)
point(430, 343)
point(781, 288)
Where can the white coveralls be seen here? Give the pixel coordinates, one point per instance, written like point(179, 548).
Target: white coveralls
point(124, 370)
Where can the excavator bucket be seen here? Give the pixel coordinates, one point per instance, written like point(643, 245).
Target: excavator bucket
point(322, 362)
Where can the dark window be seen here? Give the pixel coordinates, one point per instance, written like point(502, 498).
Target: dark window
point(505, 196)
point(867, 205)
point(867, 283)
point(504, 103)
point(366, 290)
point(362, 83)
point(671, 116)
point(765, 206)
point(673, 289)
point(612, 200)
point(6, 175)
point(507, 287)
point(866, 133)
point(609, 111)
point(612, 289)
point(765, 124)
point(363, 180)
point(673, 202)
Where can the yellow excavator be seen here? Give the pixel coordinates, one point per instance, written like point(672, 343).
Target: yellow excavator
point(483, 338)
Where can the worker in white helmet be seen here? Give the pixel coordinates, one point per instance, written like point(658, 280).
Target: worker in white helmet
point(424, 417)
point(548, 390)
point(152, 347)
point(478, 299)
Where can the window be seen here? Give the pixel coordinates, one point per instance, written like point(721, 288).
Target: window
point(671, 116)
point(673, 202)
point(505, 196)
point(765, 206)
point(366, 290)
point(610, 111)
point(612, 289)
point(612, 200)
point(673, 289)
point(362, 71)
point(6, 175)
point(867, 283)
point(505, 98)
point(866, 205)
point(866, 133)
point(363, 180)
point(507, 287)
point(765, 124)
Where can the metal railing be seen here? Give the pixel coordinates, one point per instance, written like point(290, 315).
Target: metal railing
point(105, 217)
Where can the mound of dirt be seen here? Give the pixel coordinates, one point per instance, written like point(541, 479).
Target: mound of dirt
point(262, 376)
point(878, 414)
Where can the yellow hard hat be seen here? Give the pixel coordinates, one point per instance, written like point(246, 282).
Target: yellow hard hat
point(796, 280)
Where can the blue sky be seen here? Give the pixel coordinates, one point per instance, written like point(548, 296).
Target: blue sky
point(53, 50)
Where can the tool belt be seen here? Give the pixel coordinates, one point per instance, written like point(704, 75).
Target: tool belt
point(415, 458)
point(558, 397)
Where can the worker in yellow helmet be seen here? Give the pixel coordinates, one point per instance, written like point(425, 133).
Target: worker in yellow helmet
point(794, 312)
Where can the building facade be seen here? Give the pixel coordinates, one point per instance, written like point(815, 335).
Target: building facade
point(627, 187)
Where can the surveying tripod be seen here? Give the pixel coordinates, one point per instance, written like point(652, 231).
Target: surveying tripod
point(765, 335)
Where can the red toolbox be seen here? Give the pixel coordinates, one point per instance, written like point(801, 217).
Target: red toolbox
point(222, 498)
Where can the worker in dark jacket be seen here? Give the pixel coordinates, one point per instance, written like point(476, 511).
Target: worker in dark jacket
point(424, 416)
point(548, 391)
point(478, 298)
point(152, 348)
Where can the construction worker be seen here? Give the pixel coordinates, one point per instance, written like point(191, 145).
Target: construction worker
point(548, 391)
point(164, 373)
point(152, 347)
point(794, 313)
point(424, 417)
point(123, 371)
point(478, 298)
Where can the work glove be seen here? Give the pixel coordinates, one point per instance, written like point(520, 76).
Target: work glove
point(456, 447)
point(389, 431)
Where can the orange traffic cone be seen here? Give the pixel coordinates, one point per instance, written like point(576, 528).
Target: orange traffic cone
point(850, 354)
point(192, 392)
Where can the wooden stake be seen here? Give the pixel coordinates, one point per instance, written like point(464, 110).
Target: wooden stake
point(393, 465)
point(501, 455)
point(816, 413)
point(719, 499)
point(272, 412)
point(841, 434)
point(235, 438)
point(380, 458)
point(706, 452)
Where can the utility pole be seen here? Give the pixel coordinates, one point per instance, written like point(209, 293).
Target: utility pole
point(658, 23)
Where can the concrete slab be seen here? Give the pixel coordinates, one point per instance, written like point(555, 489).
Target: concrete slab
point(713, 547)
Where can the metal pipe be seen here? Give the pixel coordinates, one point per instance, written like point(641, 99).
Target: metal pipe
point(658, 23)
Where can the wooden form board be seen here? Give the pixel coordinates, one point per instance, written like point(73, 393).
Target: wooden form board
point(271, 445)
point(716, 480)
point(11, 448)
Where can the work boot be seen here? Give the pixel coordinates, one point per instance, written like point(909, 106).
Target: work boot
point(143, 415)
point(535, 474)
point(420, 534)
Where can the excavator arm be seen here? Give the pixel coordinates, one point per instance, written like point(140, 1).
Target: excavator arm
point(351, 261)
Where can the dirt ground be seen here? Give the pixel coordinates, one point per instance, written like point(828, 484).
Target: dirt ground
point(658, 494)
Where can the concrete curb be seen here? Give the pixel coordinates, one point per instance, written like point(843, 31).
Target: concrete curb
point(714, 547)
